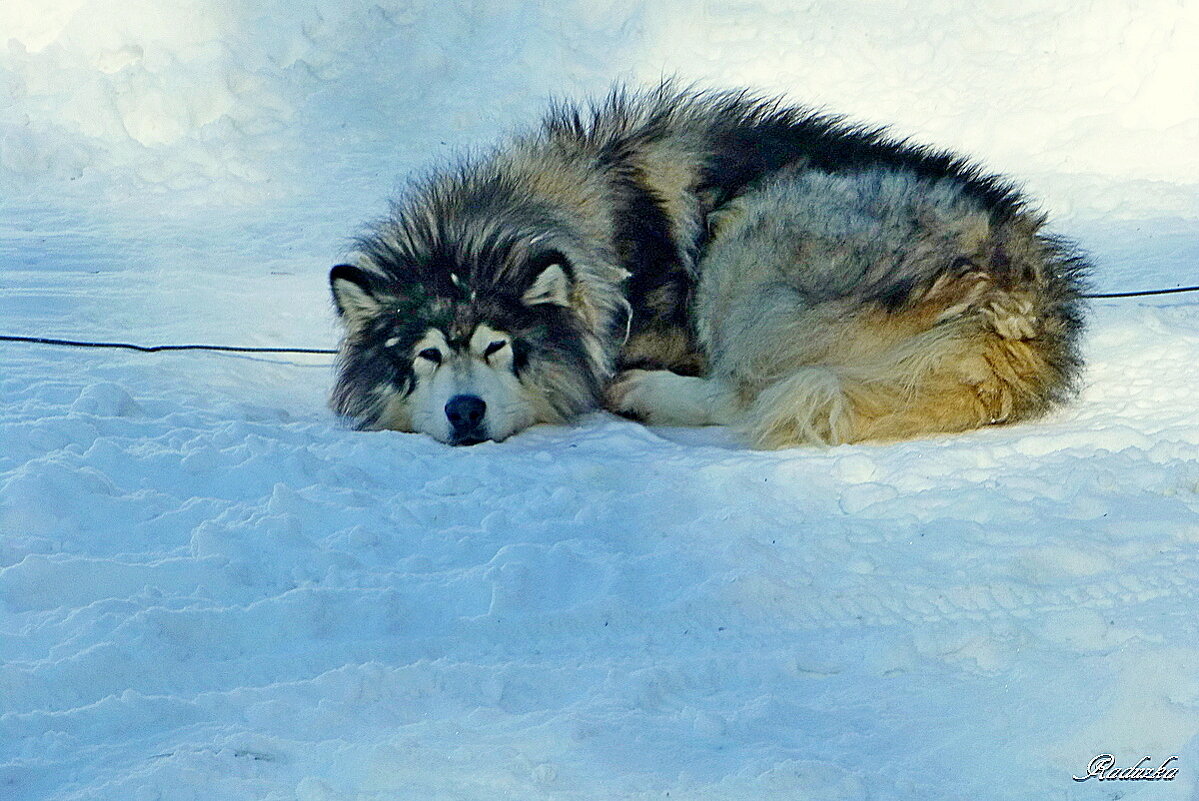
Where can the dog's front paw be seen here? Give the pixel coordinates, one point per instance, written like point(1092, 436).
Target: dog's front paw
point(629, 394)
point(660, 397)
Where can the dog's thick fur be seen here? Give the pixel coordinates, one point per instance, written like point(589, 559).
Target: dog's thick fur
point(709, 258)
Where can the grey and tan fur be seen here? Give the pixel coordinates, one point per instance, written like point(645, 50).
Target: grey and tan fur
point(800, 350)
point(709, 258)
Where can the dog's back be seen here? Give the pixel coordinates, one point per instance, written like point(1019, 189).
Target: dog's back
point(674, 158)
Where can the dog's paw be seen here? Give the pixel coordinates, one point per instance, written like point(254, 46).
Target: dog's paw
point(630, 395)
point(660, 397)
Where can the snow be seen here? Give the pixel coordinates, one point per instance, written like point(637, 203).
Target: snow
point(211, 590)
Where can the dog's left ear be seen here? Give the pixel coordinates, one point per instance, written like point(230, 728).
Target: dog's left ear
point(353, 294)
point(552, 284)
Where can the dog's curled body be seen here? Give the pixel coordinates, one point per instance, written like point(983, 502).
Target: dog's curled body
point(871, 305)
point(741, 262)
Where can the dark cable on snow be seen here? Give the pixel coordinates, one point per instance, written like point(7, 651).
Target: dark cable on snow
point(1144, 292)
point(237, 349)
point(156, 348)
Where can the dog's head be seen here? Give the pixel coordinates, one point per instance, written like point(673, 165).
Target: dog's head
point(465, 353)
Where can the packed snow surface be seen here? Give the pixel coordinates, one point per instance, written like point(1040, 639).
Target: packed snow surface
point(211, 590)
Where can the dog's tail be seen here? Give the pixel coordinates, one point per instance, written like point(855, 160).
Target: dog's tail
point(973, 351)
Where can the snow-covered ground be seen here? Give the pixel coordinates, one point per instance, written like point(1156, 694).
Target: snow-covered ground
point(210, 590)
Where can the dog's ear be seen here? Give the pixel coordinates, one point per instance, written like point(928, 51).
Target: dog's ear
point(552, 284)
point(353, 294)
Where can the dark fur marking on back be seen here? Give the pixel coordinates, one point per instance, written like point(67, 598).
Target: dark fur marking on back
point(894, 295)
point(660, 287)
point(753, 138)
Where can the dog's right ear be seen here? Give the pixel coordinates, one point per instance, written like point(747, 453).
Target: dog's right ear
point(353, 294)
point(552, 281)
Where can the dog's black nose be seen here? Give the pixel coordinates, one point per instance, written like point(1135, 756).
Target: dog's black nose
point(465, 413)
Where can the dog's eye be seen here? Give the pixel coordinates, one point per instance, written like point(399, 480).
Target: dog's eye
point(432, 354)
point(493, 347)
